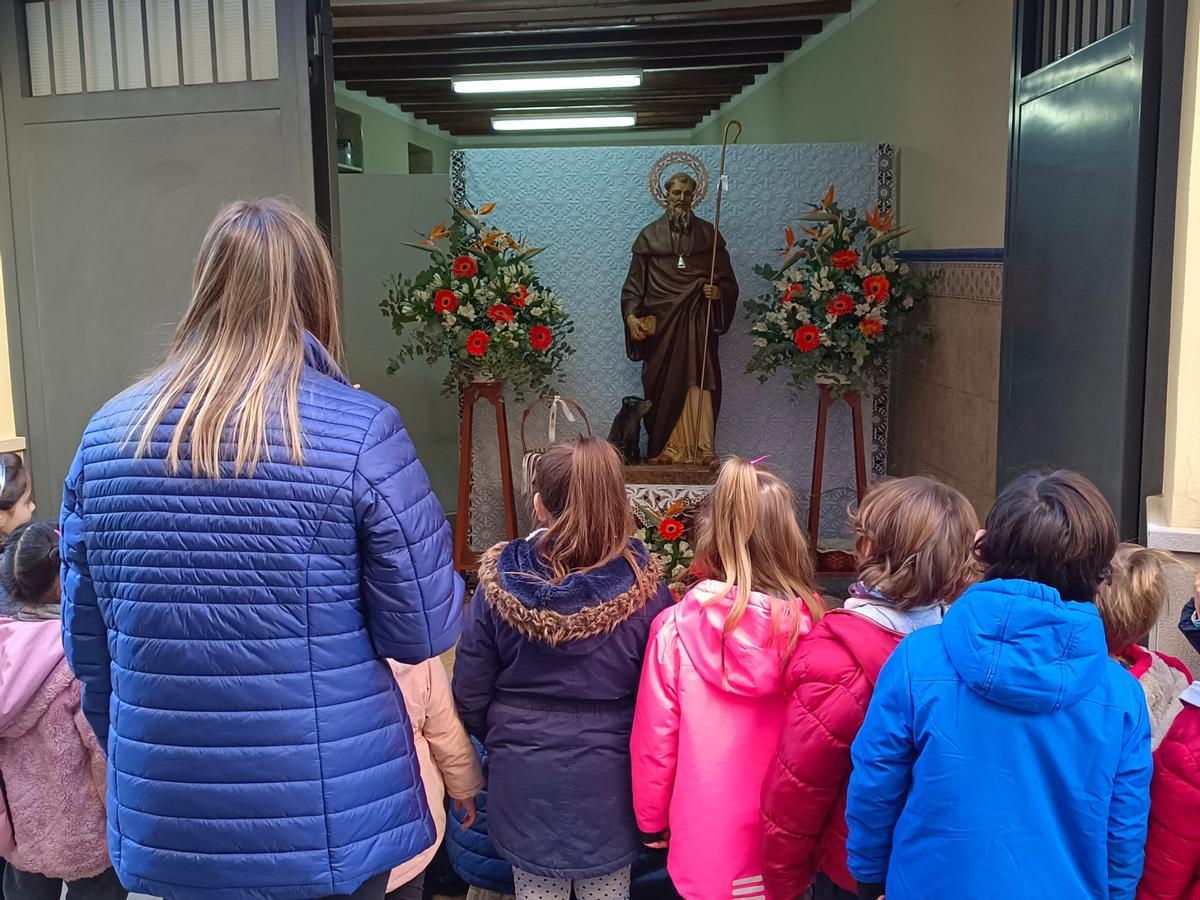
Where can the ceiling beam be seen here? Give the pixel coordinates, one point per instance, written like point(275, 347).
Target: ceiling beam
point(732, 77)
point(553, 101)
point(471, 20)
point(569, 56)
point(364, 70)
point(655, 37)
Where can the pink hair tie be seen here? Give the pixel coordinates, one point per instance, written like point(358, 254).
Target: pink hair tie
point(764, 458)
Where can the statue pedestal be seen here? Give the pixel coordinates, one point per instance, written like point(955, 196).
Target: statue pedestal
point(681, 474)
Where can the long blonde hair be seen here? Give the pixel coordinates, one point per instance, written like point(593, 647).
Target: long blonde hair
point(1133, 597)
point(750, 538)
point(263, 278)
point(582, 486)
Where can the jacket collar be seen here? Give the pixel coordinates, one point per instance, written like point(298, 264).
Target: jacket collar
point(316, 357)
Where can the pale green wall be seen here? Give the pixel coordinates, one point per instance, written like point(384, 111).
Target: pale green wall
point(386, 138)
point(931, 77)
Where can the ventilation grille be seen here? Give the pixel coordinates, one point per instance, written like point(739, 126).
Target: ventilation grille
point(1060, 27)
point(78, 46)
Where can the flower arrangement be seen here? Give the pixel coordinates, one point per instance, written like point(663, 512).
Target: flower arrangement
point(838, 302)
point(665, 535)
point(480, 306)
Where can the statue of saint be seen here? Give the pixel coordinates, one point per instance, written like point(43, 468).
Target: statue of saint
point(664, 303)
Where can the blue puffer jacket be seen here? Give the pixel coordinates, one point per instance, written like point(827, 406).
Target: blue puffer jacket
point(229, 635)
point(1003, 755)
point(471, 853)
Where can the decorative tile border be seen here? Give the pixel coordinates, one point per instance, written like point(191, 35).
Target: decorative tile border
point(966, 274)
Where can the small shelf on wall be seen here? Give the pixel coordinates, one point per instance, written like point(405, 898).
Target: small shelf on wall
point(347, 169)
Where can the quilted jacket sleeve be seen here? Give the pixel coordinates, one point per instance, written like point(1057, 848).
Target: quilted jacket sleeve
point(1129, 807)
point(655, 740)
point(449, 744)
point(85, 636)
point(810, 766)
point(883, 755)
point(476, 665)
point(1172, 869)
point(412, 595)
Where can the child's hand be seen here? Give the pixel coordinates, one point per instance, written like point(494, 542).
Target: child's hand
point(657, 845)
point(467, 808)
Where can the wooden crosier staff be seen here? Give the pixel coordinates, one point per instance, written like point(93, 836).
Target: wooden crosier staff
point(712, 269)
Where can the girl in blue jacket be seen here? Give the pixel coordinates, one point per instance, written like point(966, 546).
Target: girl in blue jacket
point(245, 538)
point(1004, 749)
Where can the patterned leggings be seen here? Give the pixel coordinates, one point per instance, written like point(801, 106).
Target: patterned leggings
point(606, 887)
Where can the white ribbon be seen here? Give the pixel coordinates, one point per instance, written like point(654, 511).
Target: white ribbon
point(556, 403)
point(724, 184)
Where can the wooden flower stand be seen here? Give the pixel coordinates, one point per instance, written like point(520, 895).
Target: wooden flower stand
point(834, 561)
point(465, 559)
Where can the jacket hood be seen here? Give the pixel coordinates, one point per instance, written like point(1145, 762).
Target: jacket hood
point(577, 613)
point(867, 642)
point(750, 661)
point(31, 653)
point(1020, 645)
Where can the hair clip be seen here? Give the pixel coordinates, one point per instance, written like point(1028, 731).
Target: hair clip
point(763, 458)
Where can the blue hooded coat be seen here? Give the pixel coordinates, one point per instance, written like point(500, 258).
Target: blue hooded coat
point(1003, 753)
point(229, 633)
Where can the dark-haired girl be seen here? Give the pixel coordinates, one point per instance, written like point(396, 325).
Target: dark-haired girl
point(547, 673)
point(16, 505)
point(51, 811)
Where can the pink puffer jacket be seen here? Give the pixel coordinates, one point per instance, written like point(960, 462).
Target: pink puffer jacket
point(709, 714)
point(52, 811)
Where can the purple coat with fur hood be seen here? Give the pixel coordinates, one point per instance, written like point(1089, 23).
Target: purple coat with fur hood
point(546, 675)
point(51, 811)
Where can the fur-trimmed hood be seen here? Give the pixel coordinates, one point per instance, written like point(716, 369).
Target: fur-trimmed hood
point(575, 613)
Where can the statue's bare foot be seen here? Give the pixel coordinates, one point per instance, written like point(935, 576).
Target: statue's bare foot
point(663, 459)
point(708, 460)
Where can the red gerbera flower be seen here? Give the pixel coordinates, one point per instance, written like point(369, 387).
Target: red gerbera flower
point(839, 305)
point(844, 259)
point(871, 327)
point(500, 313)
point(807, 337)
point(519, 296)
point(540, 337)
point(876, 288)
point(445, 302)
point(670, 529)
point(793, 292)
point(477, 343)
point(465, 267)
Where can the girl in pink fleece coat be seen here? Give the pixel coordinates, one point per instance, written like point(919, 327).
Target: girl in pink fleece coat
point(52, 827)
point(711, 707)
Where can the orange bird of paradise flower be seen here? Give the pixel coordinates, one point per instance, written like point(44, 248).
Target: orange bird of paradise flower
point(881, 222)
point(828, 199)
point(790, 237)
point(492, 239)
point(487, 209)
point(440, 232)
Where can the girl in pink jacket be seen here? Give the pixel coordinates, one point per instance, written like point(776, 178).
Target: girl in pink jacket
point(711, 707)
point(52, 827)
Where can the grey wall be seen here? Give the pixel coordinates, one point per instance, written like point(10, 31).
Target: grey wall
point(378, 212)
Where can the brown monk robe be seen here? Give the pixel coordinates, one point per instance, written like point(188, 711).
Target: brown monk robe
point(663, 307)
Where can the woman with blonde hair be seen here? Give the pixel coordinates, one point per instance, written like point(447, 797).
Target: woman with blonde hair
point(710, 707)
point(547, 673)
point(245, 539)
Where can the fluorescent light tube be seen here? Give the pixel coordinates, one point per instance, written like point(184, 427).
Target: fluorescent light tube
point(563, 123)
point(564, 81)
